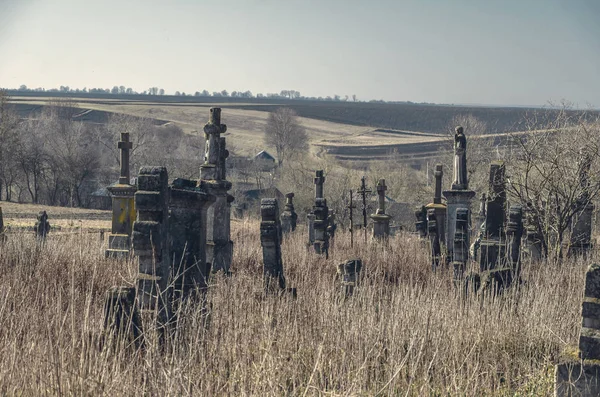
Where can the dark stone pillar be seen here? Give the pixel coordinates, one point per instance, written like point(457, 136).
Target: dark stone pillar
point(289, 216)
point(270, 239)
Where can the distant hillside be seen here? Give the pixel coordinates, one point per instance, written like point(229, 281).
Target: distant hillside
point(396, 116)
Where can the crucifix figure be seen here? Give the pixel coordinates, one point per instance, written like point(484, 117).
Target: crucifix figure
point(125, 146)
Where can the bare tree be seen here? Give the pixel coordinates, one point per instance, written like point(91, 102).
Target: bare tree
point(555, 173)
point(286, 133)
point(9, 138)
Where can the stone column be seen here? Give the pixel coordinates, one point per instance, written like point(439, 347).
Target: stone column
point(123, 206)
point(187, 226)
point(219, 247)
point(434, 238)
point(321, 213)
point(492, 245)
point(381, 220)
point(350, 274)
point(151, 242)
point(438, 206)
point(270, 239)
point(288, 216)
point(579, 375)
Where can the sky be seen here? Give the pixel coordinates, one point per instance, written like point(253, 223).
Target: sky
point(494, 52)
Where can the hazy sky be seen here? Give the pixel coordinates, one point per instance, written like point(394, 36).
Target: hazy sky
point(521, 52)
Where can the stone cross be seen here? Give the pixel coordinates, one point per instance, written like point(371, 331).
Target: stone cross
point(438, 173)
point(214, 153)
point(151, 243)
point(125, 146)
point(288, 216)
point(579, 375)
point(321, 213)
point(381, 189)
point(350, 273)
point(381, 220)
point(270, 239)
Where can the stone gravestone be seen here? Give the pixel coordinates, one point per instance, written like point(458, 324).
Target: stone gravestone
point(514, 234)
point(459, 197)
point(381, 220)
point(219, 250)
point(270, 239)
point(581, 233)
point(121, 318)
point(437, 205)
point(579, 375)
point(123, 206)
point(350, 274)
point(288, 216)
point(533, 238)
point(492, 245)
point(321, 213)
point(421, 223)
point(461, 244)
point(434, 238)
point(188, 212)
point(42, 226)
point(151, 243)
point(310, 222)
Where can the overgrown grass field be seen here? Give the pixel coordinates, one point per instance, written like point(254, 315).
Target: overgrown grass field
point(404, 332)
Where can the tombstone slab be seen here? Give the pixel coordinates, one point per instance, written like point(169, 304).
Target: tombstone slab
point(270, 239)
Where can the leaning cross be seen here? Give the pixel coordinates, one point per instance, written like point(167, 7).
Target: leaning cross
point(125, 146)
point(363, 192)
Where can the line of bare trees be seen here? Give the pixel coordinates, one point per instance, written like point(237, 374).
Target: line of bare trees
point(54, 160)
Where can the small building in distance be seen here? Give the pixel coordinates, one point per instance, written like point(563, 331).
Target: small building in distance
point(265, 161)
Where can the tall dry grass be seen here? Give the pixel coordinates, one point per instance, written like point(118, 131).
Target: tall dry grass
point(403, 333)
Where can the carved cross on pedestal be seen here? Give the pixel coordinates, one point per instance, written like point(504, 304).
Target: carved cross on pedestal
point(125, 146)
point(381, 188)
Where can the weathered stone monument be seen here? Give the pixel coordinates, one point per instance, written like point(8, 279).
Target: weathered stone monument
point(437, 205)
point(321, 213)
point(349, 272)
point(122, 321)
point(310, 222)
point(514, 234)
point(288, 216)
point(188, 212)
point(151, 243)
point(533, 237)
point(434, 238)
point(460, 251)
point(459, 197)
point(421, 223)
point(331, 226)
point(492, 245)
point(581, 231)
point(213, 181)
point(578, 373)
point(381, 220)
point(42, 226)
point(123, 205)
point(270, 239)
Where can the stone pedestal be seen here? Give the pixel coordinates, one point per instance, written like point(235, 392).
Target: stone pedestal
point(122, 322)
point(580, 375)
point(460, 246)
point(219, 248)
point(270, 239)
point(381, 220)
point(288, 216)
point(187, 226)
point(456, 199)
point(151, 242)
point(123, 216)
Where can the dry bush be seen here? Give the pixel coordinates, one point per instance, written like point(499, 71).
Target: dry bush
point(403, 333)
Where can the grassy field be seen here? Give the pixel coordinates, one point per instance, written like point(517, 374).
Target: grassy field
point(405, 332)
point(23, 216)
